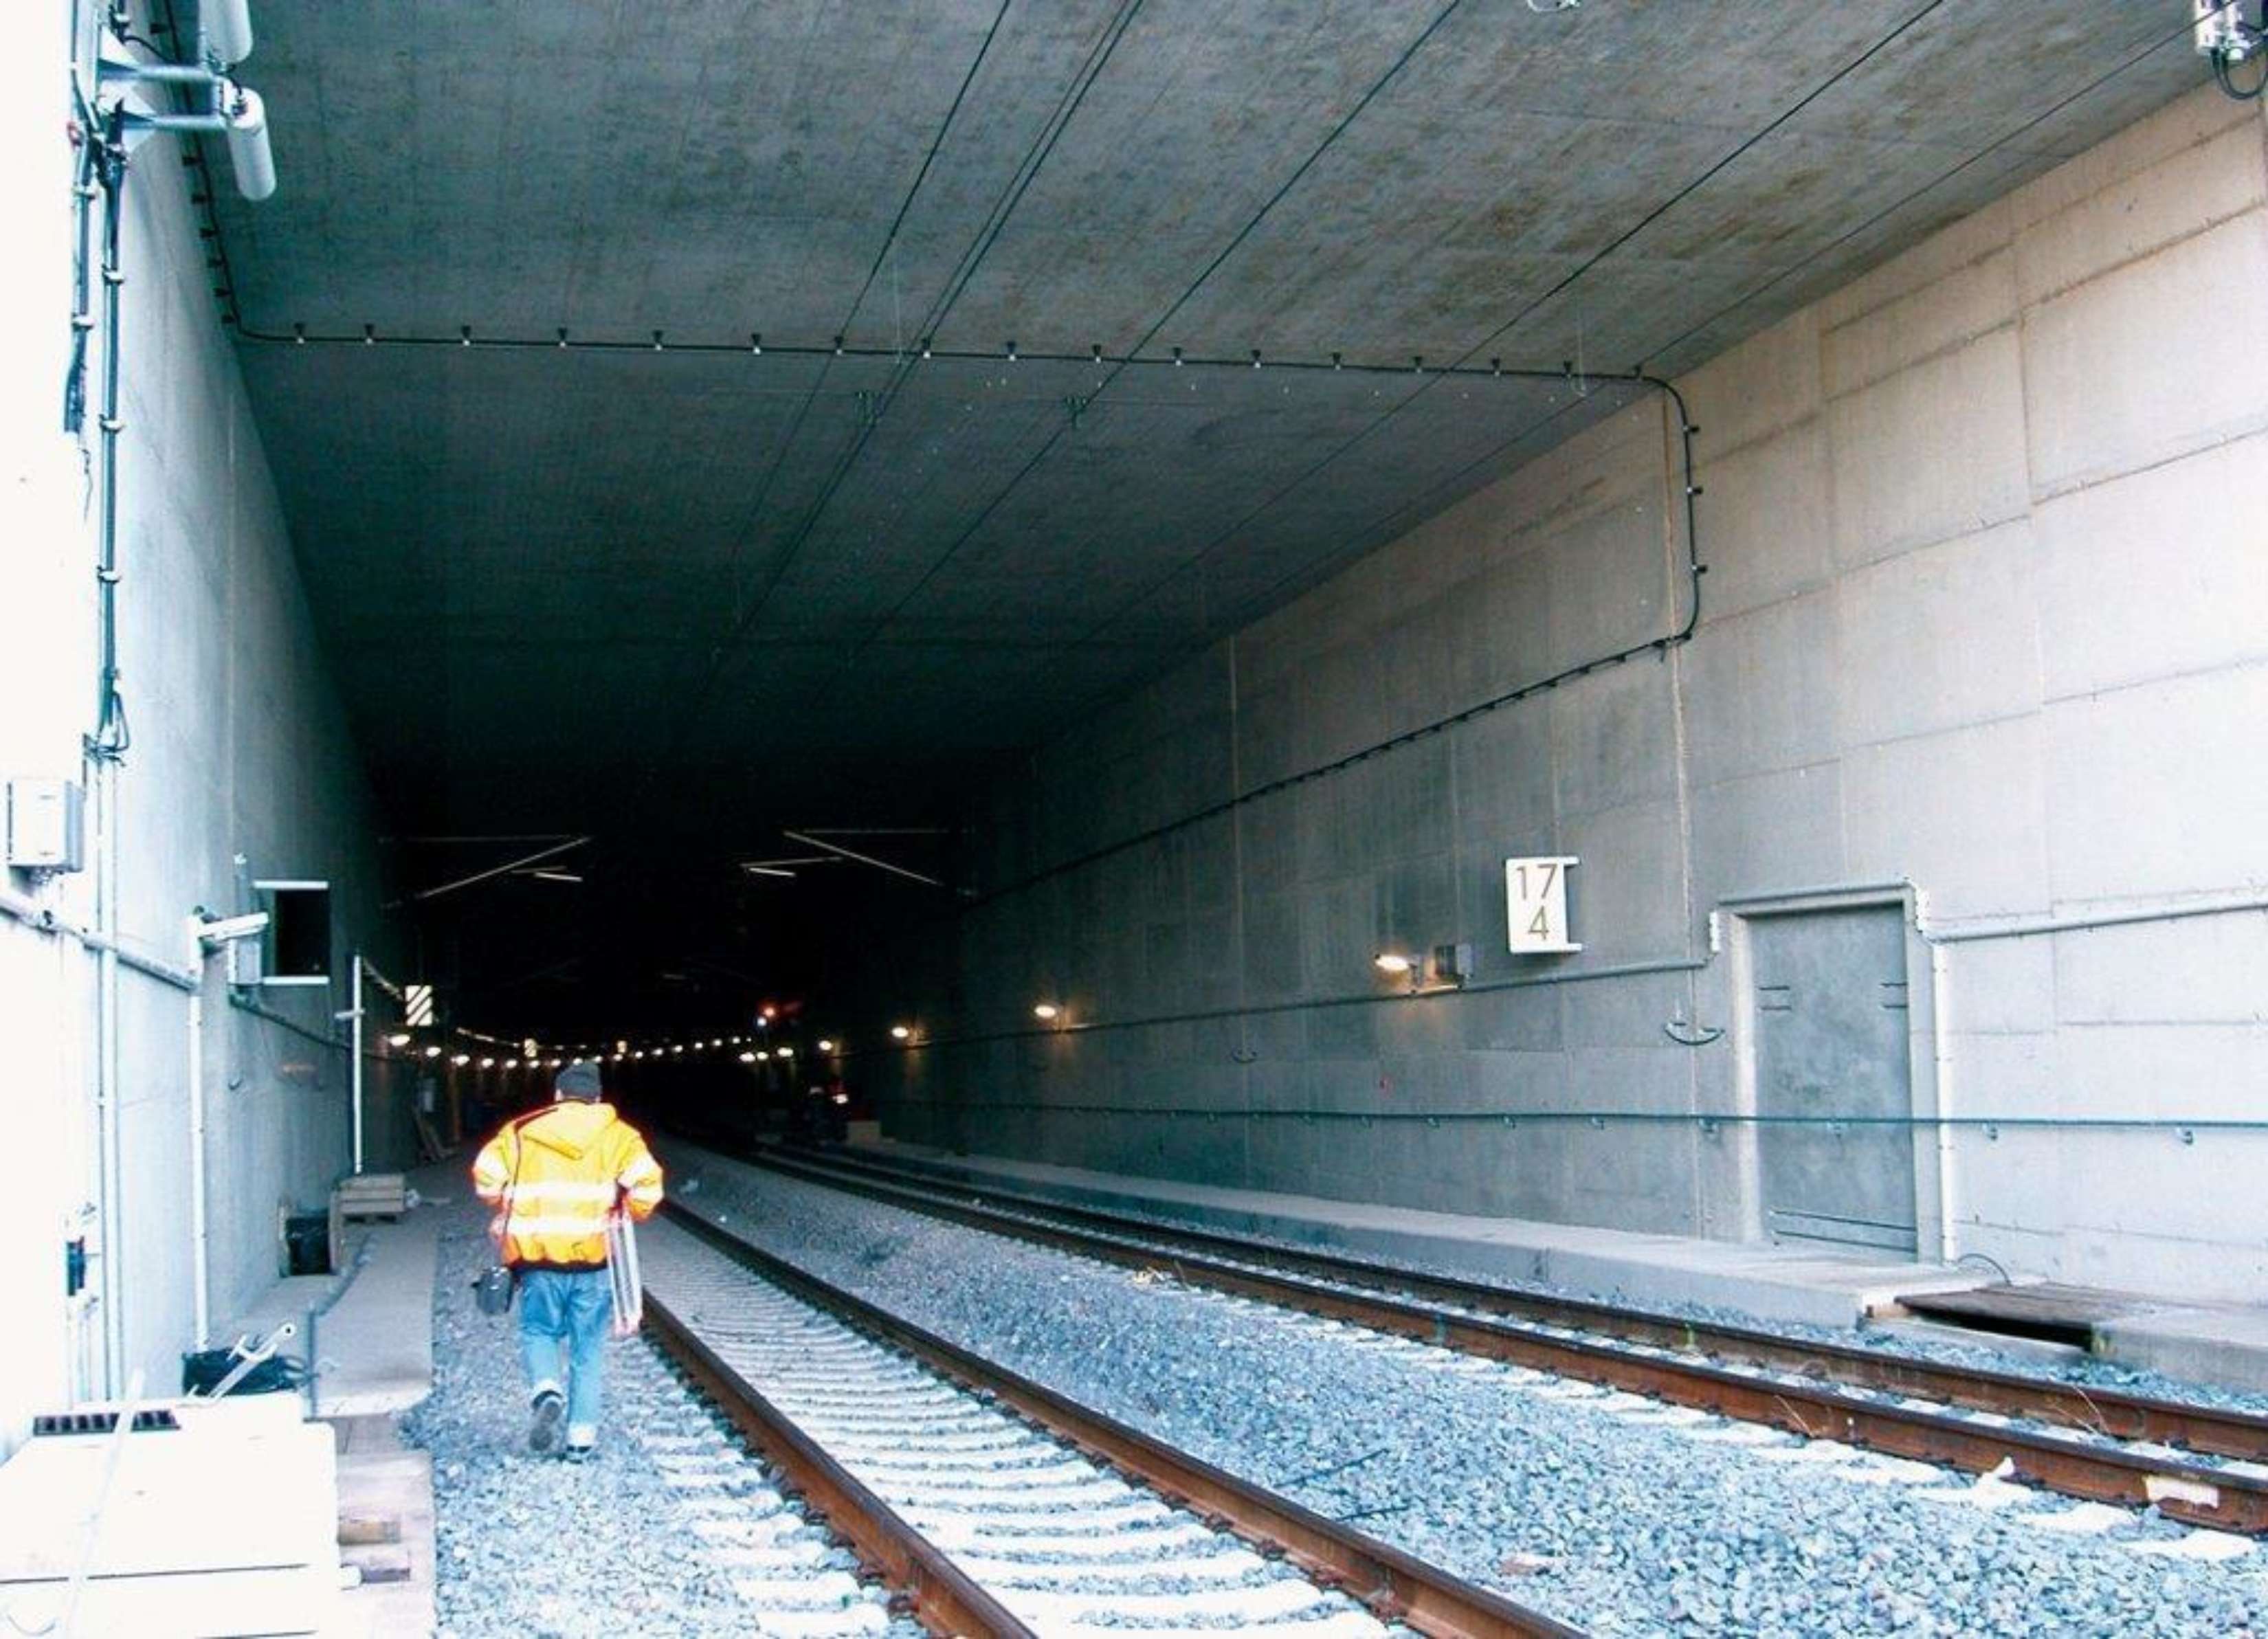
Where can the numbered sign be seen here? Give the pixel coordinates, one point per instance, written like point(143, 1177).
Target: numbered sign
point(1535, 904)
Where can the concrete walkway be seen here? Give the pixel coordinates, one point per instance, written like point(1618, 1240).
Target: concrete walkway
point(369, 1332)
point(1805, 1285)
point(2221, 1344)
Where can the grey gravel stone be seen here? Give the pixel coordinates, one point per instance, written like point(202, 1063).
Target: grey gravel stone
point(535, 1548)
point(1640, 1530)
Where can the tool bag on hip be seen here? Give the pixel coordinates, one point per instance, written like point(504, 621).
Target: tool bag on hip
point(492, 1292)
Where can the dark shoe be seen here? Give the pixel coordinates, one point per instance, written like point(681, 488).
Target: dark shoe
point(580, 1452)
point(551, 1413)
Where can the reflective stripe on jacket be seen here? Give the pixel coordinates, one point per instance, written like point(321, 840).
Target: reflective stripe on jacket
point(556, 1177)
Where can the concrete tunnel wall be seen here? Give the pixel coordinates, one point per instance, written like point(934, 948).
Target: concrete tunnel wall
point(1987, 611)
point(240, 746)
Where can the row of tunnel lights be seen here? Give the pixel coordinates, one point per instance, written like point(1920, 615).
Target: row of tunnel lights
point(623, 1052)
point(1046, 1012)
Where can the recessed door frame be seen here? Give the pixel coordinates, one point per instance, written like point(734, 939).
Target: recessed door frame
point(1738, 915)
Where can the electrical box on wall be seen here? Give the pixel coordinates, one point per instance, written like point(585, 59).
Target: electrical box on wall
point(1535, 905)
point(46, 825)
point(1453, 963)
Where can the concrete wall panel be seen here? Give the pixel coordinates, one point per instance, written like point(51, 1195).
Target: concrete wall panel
point(1769, 833)
point(2152, 574)
point(1965, 305)
point(1614, 739)
point(1769, 383)
point(2197, 186)
point(2200, 972)
point(1760, 689)
point(1960, 813)
point(239, 746)
point(1764, 518)
point(2141, 365)
point(1958, 417)
point(1984, 614)
point(2159, 788)
point(1627, 901)
point(1938, 638)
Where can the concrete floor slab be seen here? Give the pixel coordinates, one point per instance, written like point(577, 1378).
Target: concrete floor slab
point(2222, 1344)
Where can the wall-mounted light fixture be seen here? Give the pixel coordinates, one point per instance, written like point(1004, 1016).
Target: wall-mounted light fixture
point(826, 1045)
point(1401, 967)
point(1448, 968)
point(1046, 1012)
point(902, 1032)
point(398, 1038)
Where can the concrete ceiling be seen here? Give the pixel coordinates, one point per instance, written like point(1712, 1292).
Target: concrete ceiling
point(799, 585)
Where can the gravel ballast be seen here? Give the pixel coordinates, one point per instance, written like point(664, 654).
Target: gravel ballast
point(1605, 1511)
point(1978, 1353)
point(536, 1548)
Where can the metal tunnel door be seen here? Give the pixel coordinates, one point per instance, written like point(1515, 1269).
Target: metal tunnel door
point(1829, 1010)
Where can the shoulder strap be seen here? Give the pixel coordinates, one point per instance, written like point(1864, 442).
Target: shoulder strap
point(512, 1189)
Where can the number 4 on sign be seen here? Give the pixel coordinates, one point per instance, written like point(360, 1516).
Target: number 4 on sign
point(1535, 904)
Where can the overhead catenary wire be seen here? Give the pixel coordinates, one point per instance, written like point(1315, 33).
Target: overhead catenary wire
point(744, 616)
point(928, 158)
point(1062, 429)
point(819, 382)
point(965, 271)
point(1462, 361)
point(1460, 368)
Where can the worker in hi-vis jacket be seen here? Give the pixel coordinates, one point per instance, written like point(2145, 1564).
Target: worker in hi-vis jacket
point(556, 1179)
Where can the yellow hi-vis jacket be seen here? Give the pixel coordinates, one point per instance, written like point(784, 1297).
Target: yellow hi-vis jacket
point(557, 1176)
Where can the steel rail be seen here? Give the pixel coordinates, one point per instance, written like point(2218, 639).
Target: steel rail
point(943, 1597)
point(1836, 1403)
point(1394, 1585)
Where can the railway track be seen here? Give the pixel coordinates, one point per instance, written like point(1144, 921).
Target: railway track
point(2095, 1445)
point(996, 1506)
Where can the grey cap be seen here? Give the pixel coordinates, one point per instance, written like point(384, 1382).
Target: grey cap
point(578, 1080)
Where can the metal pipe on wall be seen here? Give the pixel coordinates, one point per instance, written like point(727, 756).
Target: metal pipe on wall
point(354, 1058)
point(40, 919)
point(2180, 911)
point(103, 748)
point(199, 1230)
point(1941, 1057)
point(109, 1163)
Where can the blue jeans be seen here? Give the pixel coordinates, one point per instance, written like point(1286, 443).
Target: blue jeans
point(559, 1308)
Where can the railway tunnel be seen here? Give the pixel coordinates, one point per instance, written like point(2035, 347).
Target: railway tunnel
point(1127, 667)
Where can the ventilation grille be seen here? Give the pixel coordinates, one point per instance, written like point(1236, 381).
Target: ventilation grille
point(98, 1422)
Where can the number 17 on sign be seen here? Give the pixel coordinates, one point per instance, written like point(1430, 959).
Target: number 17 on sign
point(1535, 904)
